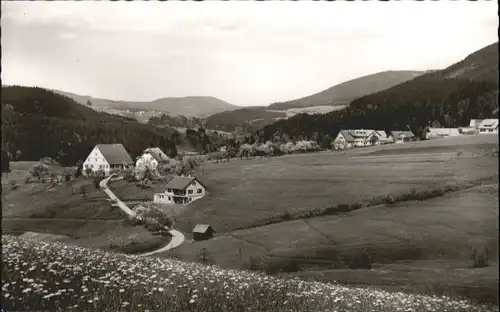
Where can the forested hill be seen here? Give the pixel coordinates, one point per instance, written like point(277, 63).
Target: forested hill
point(40, 123)
point(345, 92)
point(465, 90)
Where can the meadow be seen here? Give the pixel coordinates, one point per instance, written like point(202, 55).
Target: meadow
point(249, 193)
point(416, 243)
point(57, 277)
point(86, 220)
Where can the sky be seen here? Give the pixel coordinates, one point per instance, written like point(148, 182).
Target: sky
point(243, 52)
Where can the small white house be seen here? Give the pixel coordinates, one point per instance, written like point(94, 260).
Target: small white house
point(181, 190)
point(433, 133)
point(105, 158)
point(152, 156)
point(402, 136)
point(488, 126)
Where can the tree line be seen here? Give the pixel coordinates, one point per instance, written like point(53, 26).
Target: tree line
point(38, 123)
point(413, 105)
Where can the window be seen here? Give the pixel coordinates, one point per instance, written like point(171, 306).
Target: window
point(199, 191)
point(91, 166)
point(86, 165)
point(169, 198)
point(169, 190)
point(100, 166)
point(190, 191)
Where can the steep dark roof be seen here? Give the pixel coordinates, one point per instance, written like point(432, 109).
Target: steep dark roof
point(347, 136)
point(202, 228)
point(115, 154)
point(179, 183)
point(157, 154)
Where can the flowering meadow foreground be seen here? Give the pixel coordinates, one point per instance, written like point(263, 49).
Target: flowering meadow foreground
point(52, 276)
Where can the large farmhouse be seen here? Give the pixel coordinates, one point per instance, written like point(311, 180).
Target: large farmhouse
point(105, 158)
point(181, 190)
point(355, 138)
point(152, 156)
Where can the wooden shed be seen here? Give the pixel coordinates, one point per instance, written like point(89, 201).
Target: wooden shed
point(203, 232)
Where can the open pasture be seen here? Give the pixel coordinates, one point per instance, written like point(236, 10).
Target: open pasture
point(55, 277)
point(244, 193)
point(430, 233)
point(87, 221)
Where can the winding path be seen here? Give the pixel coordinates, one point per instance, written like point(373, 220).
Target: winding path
point(177, 237)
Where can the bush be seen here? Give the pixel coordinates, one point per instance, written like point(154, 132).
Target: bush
point(361, 260)
point(286, 216)
point(389, 199)
point(152, 225)
point(480, 258)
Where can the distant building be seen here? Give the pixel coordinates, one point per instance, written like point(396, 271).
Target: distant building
point(105, 158)
point(354, 138)
point(488, 126)
point(181, 190)
point(382, 137)
point(402, 136)
point(154, 156)
point(203, 232)
point(434, 133)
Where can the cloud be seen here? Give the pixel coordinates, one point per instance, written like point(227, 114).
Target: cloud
point(244, 52)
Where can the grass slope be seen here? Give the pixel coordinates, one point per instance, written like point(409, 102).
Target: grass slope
point(88, 221)
point(57, 277)
point(446, 228)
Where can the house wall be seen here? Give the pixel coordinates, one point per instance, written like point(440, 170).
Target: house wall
point(146, 158)
point(340, 142)
point(191, 193)
point(488, 130)
point(96, 162)
point(163, 198)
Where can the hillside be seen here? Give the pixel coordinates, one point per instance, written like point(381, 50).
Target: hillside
point(452, 96)
point(192, 106)
point(40, 123)
point(345, 92)
point(334, 98)
point(244, 118)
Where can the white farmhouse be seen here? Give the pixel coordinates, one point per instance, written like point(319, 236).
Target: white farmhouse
point(106, 158)
point(402, 136)
point(181, 190)
point(488, 126)
point(354, 138)
point(152, 156)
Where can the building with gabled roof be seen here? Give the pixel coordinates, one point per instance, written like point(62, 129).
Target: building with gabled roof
point(433, 133)
point(203, 232)
point(488, 126)
point(105, 158)
point(354, 138)
point(181, 190)
point(152, 156)
point(402, 136)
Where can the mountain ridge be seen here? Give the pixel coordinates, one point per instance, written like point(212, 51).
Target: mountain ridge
point(467, 89)
point(191, 106)
point(345, 92)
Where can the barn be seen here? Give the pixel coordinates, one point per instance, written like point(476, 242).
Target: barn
point(203, 232)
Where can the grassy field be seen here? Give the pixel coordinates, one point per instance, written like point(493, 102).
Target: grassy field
point(445, 229)
point(246, 193)
point(55, 277)
point(88, 221)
